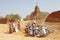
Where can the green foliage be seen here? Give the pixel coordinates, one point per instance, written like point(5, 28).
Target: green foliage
point(16, 16)
point(42, 15)
point(26, 18)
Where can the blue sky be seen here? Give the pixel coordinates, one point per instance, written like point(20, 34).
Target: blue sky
point(25, 7)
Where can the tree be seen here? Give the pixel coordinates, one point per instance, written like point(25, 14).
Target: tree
point(27, 17)
point(17, 16)
point(14, 16)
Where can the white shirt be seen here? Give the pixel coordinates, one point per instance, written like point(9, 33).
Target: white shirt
point(14, 25)
point(43, 30)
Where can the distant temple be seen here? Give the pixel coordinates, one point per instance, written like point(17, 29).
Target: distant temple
point(36, 11)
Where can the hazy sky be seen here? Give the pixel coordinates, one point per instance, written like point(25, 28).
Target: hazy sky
point(25, 7)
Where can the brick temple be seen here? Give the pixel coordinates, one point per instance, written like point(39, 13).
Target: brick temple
point(6, 20)
point(35, 12)
point(54, 17)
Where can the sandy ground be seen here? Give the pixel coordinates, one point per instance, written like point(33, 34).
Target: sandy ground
point(21, 36)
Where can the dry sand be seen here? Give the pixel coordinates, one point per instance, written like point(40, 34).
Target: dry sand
point(21, 36)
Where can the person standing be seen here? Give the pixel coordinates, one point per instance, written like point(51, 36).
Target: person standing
point(13, 25)
point(10, 29)
point(18, 25)
point(33, 29)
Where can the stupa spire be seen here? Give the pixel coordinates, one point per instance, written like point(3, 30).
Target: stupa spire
point(37, 8)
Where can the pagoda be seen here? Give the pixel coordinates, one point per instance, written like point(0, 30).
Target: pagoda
point(35, 12)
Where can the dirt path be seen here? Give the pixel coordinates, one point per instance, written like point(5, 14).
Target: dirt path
point(21, 36)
